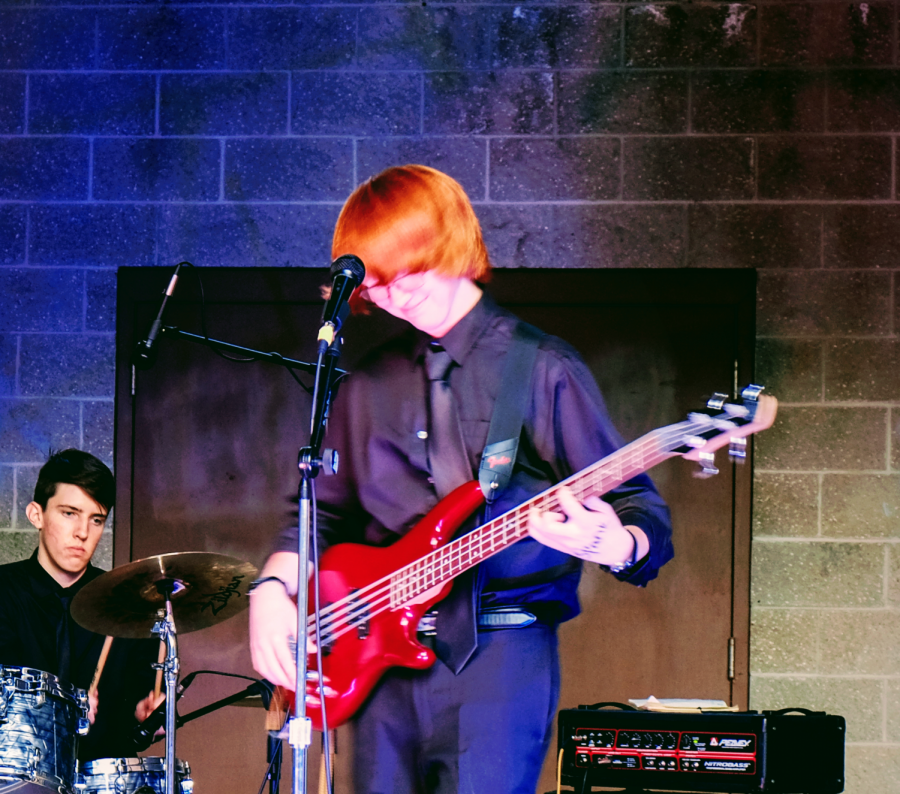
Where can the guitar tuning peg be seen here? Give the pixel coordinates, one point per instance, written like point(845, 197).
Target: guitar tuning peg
point(751, 392)
point(717, 401)
point(708, 468)
point(737, 449)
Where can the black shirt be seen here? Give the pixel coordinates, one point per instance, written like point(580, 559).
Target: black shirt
point(33, 610)
point(382, 487)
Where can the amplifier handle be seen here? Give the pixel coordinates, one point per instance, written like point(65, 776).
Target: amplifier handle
point(805, 712)
point(605, 703)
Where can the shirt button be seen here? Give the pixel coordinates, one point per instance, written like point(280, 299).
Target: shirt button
point(423, 434)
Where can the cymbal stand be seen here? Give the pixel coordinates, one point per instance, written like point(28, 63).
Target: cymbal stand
point(165, 630)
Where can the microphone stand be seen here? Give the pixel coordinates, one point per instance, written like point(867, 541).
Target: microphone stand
point(298, 730)
point(257, 355)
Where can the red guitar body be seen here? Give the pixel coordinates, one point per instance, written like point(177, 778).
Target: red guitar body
point(358, 658)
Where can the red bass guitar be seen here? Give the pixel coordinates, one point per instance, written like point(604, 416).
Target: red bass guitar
point(375, 597)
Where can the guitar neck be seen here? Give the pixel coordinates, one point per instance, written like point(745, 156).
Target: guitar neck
point(459, 555)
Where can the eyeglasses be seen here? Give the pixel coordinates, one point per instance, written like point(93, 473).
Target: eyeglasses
point(406, 284)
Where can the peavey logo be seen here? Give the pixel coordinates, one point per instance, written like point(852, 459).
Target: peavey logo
point(494, 460)
point(731, 744)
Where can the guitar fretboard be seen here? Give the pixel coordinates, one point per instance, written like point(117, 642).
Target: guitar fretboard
point(465, 552)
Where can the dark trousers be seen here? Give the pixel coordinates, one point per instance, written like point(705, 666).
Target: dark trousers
point(485, 731)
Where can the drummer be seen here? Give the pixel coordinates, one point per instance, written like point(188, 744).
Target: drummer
point(74, 494)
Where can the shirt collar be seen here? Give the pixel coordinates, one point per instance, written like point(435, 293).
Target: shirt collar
point(45, 584)
point(462, 337)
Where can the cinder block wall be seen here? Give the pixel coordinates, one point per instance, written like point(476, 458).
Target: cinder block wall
point(589, 135)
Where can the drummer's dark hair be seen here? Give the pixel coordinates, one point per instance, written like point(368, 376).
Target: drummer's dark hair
point(75, 467)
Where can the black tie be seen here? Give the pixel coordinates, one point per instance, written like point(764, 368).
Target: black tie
point(457, 633)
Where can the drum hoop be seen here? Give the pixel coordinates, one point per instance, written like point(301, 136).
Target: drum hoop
point(120, 766)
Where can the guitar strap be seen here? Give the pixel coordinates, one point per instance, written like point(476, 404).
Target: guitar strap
point(499, 457)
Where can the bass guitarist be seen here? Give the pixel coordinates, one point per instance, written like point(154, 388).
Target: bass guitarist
point(478, 720)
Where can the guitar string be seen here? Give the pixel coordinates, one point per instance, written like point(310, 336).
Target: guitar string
point(376, 597)
point(440, 564)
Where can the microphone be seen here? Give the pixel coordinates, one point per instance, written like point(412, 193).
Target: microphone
point(145, 351)
point(347, 273)
point(142, 735)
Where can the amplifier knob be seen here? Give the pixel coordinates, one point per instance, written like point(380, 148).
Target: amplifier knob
point(647, 741)
point(671, 741)
point(658, 740)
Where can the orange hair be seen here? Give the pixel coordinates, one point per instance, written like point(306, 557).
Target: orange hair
point(408, 219)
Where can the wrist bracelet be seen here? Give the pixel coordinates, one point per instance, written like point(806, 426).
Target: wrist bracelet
point(257, 582)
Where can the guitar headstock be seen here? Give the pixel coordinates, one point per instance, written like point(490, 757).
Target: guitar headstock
point(728, 424)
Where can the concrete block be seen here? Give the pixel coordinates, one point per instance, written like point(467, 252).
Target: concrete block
point(40, 38)
point(44, 169)
point(223, 104)
point(15, 546)
point(41, 300)
point(861, 642)
point(784, 641)
point(365, 103)
point(864, 100)
point(893, 712)
point(12, 234)
point(518, 236)
point(767, 236)
point(545, 169)
point(690, 35)
point(895, 439)
point(825, 34)
point(824, 439)
point(793, 574)
point(688, 168)
point(7, 498)
point(247, 235)
point(92, 104)
point(12, 104)
point(299, 169)
point(756, 101)
point(67, 365)
point(26, 480)
point(622, 102)
point(100, 309)
point(870, 768)
point(785, 505)
point(566, 37)
point(424, 37)
point(88, 235)
point(860, 236)
point(29, 428)
point(498, 103)
point(791, 369)
point(99, 429)
point(861, 505)
point(863, 369)
point(823, 303)
point(805, 167)
point(859, 701)
point(463, 158)
point(156, 169)
point(9, 364)
point(292, 38)
point(618, 236)
point(893, 576)
point(164, 37)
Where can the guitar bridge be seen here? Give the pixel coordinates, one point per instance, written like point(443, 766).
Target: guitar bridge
point(359, 616)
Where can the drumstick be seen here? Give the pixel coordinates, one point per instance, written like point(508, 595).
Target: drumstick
point(161, 657)
point(101, 663)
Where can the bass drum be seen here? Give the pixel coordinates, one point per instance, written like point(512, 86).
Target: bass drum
point(40, 720)
point(132, 776)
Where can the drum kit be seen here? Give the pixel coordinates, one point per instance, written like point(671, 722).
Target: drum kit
point(42, 717)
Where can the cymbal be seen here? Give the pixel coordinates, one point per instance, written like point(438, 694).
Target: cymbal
point(207, 588)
